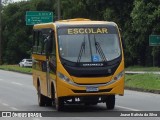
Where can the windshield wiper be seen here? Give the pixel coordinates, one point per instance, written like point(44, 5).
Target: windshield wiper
point(99, 49)
point(81, 50)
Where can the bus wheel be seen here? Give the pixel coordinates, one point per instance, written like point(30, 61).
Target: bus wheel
point(110, 102)
point(59, 103)
point(53, 95)
point(48, 101)
point(41, 98)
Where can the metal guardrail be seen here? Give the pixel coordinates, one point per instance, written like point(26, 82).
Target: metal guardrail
point(142, 72)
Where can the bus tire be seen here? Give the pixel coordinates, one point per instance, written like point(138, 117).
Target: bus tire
point(110, 102)
point(59, 104)
point(41, 98)
point(48, 101)
point(53, 94)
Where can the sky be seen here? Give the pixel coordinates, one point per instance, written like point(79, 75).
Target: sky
point(8, 1)
point(15, 0)
point(18, 0)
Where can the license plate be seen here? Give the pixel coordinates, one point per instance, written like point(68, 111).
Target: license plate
point(92, 89)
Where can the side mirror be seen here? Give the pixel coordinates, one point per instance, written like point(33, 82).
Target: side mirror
point(48, 42)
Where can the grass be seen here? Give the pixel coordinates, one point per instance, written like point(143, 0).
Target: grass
point(141, 68)
point(147, 82)
point(16, 68)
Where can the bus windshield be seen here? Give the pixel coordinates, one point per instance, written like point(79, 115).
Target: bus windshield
point(88, 45)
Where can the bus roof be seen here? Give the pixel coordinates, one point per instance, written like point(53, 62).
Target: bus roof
point(72, 22)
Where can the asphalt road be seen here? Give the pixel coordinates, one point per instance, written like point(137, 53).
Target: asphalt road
point(18, 94)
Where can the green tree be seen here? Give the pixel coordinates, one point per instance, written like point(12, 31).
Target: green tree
point(17, 40)
point(145, 16)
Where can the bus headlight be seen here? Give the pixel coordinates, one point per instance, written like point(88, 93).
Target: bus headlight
point(64, 78)
point(117, 77)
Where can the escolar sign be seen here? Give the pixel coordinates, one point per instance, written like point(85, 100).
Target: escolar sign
point(87, 31)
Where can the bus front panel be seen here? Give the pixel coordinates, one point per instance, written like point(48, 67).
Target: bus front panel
point(90, 61)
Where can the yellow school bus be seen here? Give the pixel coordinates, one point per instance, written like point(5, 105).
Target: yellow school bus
point(77, 61)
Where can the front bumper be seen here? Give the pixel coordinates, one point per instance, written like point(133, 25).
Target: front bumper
point(65, 89)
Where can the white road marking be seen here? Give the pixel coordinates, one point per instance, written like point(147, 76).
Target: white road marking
point(13, 108)
point(5, 104)
point(35, 119)
point(17, 83)
point(128, 108)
